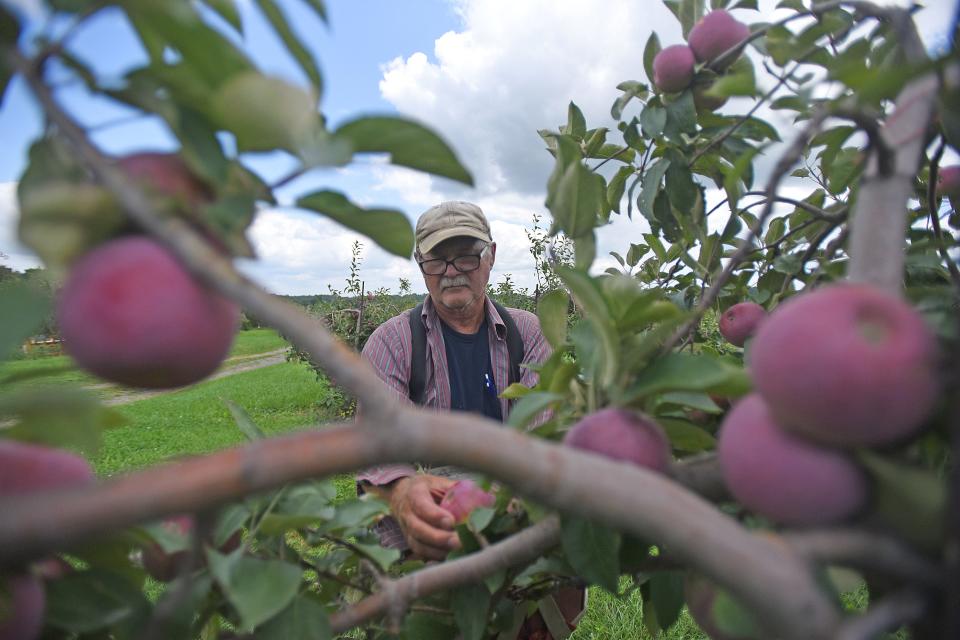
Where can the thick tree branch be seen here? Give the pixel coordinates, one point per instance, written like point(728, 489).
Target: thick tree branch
point(518, 549)
point(625, 497)
point(868, 550)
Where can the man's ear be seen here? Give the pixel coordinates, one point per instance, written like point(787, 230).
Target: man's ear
point(493, 253)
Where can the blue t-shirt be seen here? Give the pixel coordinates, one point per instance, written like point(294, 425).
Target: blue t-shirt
point(471, 374)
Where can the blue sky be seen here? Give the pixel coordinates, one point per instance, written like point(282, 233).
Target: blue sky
point(486, 74)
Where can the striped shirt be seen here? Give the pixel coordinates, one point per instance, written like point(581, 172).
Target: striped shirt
point(388, 350)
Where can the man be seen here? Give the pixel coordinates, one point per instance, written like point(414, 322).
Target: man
point(467, 363)
point(468, 357)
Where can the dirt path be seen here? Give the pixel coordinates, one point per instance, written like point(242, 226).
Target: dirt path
point(233, 366)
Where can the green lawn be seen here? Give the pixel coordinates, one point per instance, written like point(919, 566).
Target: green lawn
point(62, 370)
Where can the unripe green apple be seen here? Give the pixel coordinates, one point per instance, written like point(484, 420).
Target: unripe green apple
point(130, 313)
point(783, 477)
point(740, 321)
point(716, 33)
point(847, 365)
point(948, 181)
point(22, 604)
point(463, 497)
point(622, 435)
point(26, 468)
point(673, 68)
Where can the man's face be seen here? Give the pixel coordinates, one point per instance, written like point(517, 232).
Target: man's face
point(453, 289)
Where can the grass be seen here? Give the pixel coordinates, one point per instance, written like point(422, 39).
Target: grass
point(56, 370)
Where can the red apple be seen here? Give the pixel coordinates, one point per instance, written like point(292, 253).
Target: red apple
point(673, 68)
point(783, 477)
point(22, 604)
point(463, 497)
point(130, 313)
point(622, 435)
point(740, 321)
point(848, 365)
point(26, 468)
point(948, 181)
point(716, 33)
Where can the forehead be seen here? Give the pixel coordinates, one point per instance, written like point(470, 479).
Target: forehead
point(454, 247)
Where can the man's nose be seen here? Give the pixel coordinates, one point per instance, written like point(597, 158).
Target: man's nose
point(451, 271)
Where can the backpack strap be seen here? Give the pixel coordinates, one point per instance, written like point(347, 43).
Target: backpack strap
point(418, 350)
point(418, 355)
point(514, 342)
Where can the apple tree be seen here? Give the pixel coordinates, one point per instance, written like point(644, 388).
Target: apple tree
point(760, 402)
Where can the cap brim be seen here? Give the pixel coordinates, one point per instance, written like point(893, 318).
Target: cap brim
point(427, 244)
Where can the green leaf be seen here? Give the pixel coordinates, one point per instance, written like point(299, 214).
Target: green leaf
point(680, 186)
point(593, 551)
point(389, 228)
point(577, 200)
point(910, 500)
point(243, 420)
point(552, 311)
point(304, 619)
point(666, 594)
point(617, 185)
point(530, 406)
point(687, 437)
point(590, 300)
point(299, 507)
point(87, 601)
point(23, 309)
point(471, 605)
point(319, 8)
point(681, 116)
point(690, 13)
point(631, 89)
point(653, 119)
point(732, 618)
point(689, 372)
point(408, 143)
point(427, 626)
point(651, 186)
point(258, 589)
point(739, 80)
point(293, 43)
point(382, 556)
point(576, 123)
point(227, 9)
point(355, 513)
point(650, 52)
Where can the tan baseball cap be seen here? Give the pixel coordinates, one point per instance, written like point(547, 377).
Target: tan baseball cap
point(450, 220)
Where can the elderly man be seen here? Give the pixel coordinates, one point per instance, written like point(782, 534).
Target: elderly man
point(464, 358)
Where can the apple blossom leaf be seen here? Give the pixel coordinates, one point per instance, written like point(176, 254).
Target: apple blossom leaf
point(258, 589)
point(243, 421)
point(666, 596)
point(22, 310)
point(690, 372)
point(552, 312)
point(88, 601)
point(593, 551)
point(408, 143)
point(305, 617)
point(227, 9)
point(471, 605)
point(389, 228)
point(294, 45)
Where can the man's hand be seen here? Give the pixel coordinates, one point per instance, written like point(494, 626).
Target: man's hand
point(427, 527)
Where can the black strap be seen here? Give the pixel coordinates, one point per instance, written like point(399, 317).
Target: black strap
point(418, 350)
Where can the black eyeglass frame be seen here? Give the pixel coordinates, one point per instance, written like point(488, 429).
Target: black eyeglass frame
point(478, 256)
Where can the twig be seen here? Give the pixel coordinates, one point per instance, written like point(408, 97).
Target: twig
point(887, 614)
point(515, 550)
point(787, 160)
point(866, 550)
point(935, 216)
point(816, 212)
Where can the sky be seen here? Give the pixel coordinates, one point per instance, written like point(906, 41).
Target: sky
point(485, 74)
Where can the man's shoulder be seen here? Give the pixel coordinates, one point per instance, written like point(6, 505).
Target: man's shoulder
point(527, 322)
point(392, 329)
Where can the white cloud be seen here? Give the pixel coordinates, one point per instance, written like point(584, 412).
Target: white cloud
point(17, 256)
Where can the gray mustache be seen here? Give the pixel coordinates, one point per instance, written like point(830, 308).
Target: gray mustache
point(459, 281)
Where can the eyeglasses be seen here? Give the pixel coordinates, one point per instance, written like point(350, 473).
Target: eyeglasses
point(463, 264)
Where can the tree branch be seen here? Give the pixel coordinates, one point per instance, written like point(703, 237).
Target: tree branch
point(622, 496)
point(935, 216)
point(863, 549)
point(518, 549)
point(886, 615)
